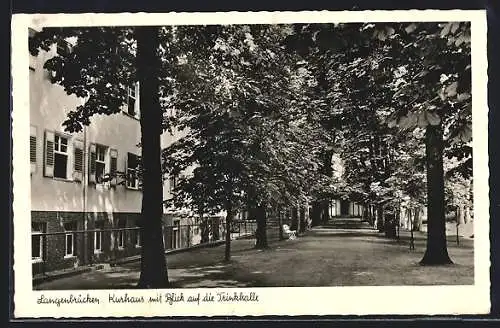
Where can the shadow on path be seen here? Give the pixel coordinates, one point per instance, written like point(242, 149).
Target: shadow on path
point(321, 257)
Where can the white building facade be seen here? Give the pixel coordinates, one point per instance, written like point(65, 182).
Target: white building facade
point(77, 219)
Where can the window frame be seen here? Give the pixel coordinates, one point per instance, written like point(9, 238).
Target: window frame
point(72, 234)
point(102, 161)
point(121, 235)
point(58, 137)
point(138, 240)
point(176, 234)
point(132, 93)
point(39, 234)
point(98, 236)
point(128, 168)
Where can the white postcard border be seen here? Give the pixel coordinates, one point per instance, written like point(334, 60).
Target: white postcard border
point(389, 300)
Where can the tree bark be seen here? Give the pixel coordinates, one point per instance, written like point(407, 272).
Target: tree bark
point(295, 219)
point(364, 213)
point(328, 171)
point(204, 230)
point(302, 219)
point(371, 216)
point(229, 219)
point(380, 218)
point(325, 210)
point(436, 251)
point(280, 224)
point(261, 233)
point(307, 217)
point(316, 213)
point(417, 219)
point(153, 261)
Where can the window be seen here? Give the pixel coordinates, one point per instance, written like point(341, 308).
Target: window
point(99, 226)
point(132, 176)
point(131, 99)
point(176, 234)
point(120, 238)
point(131, 107)
point(33, 148)
point(113, 166)
point(38, 240)
point(113, 162)
point(100, 162)
point(70, 238)
point(136, 237)
point(63, 156)
point(60, 157)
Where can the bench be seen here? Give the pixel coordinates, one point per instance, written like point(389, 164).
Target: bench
point(292, 234)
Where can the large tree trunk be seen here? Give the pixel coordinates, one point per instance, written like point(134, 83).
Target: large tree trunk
point(417, 218)
point(436, 251)
point(204, 229)
point(280, 223)
point(153, 261)
point(409, 218)
point(328, 171)
point(261, 232)
point(371, 215)
point(325, 210)
point(229, 219)
point(380, 218)
point(302, 219)
point(316, 213)
point(307, 211)
point(294, 225)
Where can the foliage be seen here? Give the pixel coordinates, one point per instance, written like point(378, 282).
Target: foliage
point(251, 137)
point(377, 78)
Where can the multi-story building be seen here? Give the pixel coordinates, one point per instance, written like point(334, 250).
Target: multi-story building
point(78, 219)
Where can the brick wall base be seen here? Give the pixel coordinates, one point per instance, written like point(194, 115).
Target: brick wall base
point(114, 244)
point(86, 249)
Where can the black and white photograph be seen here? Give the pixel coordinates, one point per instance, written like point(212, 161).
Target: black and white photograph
point(223, 163)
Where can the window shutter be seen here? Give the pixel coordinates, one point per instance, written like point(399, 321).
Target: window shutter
point(78, 160)
point(92, 164)
point(113, 165)
point(125, 170)
point(33, 148)
point(48, 170)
